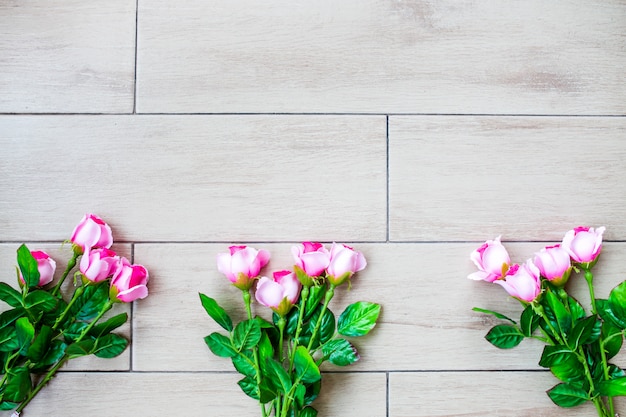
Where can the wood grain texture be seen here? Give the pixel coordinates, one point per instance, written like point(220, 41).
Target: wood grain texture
point(382, 56)
point(478, 394)
point(67, 56)
point(193, 178)
point(524, 178)
point(192, 395)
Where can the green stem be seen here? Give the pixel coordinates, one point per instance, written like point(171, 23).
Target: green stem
point(540, 311)
point(281, 332)
point(255, 351)
point(304, 294)
point(77, 293)
point(329, 296)
point(589, 279)
point(70, 265)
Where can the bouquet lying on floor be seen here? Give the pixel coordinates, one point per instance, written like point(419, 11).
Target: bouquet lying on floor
point(41, 331)
point(280, 359)
point(578, 345)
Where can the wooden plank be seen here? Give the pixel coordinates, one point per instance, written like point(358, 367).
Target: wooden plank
point(192, 178)
point(193, 394)
point(427, 322)
point(374, 56)
point(478, 394)
point(525, 178)
point(67, 56)
point(61, 254)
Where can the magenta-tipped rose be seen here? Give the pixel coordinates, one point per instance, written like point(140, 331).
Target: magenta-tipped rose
point(584, 244)
point(242, 265)
point(92, 232)
point(311, 257)
point(554, 264)
point(492, 261)
point(46, 267)
point(344, 262)
point(98, 264)
point(522, 281)
point(280, 293)
point(129, 282)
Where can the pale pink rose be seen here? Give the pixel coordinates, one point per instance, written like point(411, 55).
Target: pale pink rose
point(522, 281)
point(554, 264)
point(98, 264)
point(279, 293)
point(46, 267)
point(242, 264)
point(344, 262)
point(311, 257)
point(92, 232)
point(492, 261)
point(583, 244)
point(129, 282)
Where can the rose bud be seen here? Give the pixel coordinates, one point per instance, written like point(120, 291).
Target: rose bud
point(492, 261)
point(583, 244)
point(242, 265)
point(554, 264)
point(98, 264)
point(344, 262)
point(46, 267)
point(522, 281)
point(311, 257)
point(92, 232)
point(280, 293)
point(129, 282)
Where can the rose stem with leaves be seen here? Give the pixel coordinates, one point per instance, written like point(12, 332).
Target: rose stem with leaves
point(246, 299)
point(70, 265)
point(327, 297)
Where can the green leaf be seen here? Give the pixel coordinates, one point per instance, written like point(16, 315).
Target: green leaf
point(82, 348)
point(74, 330)
point(340, 352)
point(40, 345)
point(529, 321)
point(110, 345)
point(577, 311)
point(18, 385)
point(10, 295)
point(220, 345)
point(216, 312)
point(266, 349)
point(109, 325)
point(52, 356)
point(244, 364)
point(568, 369)
point(9, 316)
point(40, 300)
point(493, 313)
point(279, 377)
point(613, 387)
point(566, 395)
point(8, 405)
point(25, 332)
point(563, 317)
point(358, 319)
point(306, 369)
point(8, 339)
point(249, 386)
point(555, 355)
point(316, 294)
point(617, 301)
point(504, 336)
point(89, 304)
point(28, 266)
point(582, 331)
point(604, 310)
point(327, 327)
point(246, 335)
point(308, 412)
point(613, 339)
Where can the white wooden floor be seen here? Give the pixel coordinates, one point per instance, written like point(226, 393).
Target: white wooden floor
point(412, 129)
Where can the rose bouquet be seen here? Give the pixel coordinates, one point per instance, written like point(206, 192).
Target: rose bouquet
point(280, 359)
point(41, 331)
point(578, 345)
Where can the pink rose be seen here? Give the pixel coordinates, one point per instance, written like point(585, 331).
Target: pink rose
point(280, 293)
point(129, 282)
point(242, 265)
point(311, 257)
point(92, 232)
point(522, 281)
point(583, 244)
point(344, 262)
point(554, 264)
point(46, 267)
point(492, 261)
point(98, 264)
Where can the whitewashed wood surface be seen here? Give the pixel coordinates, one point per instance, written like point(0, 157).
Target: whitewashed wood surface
point(412, 129)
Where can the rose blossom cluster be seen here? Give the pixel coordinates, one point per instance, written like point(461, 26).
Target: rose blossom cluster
point(580, 247)
point(92, 238)
point(312, 261)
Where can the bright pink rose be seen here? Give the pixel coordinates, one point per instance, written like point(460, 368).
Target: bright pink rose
point(242, 265)
point(46, 267)
point(522, 281)
point(492, 261)
point(92, 232)
point(280, 293)
point(554, 264)
point(583, 244)
point(311, 257)
point(129, 282)
point(98, 264)
point(344, 262)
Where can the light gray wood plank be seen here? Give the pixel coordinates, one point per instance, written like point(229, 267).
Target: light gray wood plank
point(67, 56)
point(61, 254)
point(473, 394)
point(195, 178)
point(382, 56)
point(524, 178)
point(192, 394)
point(427, 322)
